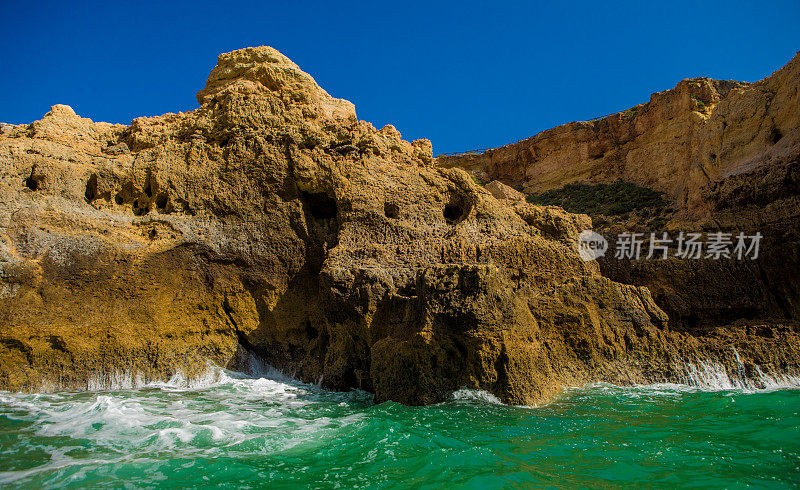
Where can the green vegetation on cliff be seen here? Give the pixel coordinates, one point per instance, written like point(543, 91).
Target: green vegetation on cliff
point(616, 198)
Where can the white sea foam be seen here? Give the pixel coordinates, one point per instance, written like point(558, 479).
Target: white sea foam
point(711, 375)
point(117, 380)
point(714, 377)
point(475, 395)
point(706, 375)
point(221, 412)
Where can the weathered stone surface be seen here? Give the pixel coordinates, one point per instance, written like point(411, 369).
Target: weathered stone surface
point(728, 156)
point(697, 134)
point(271, 221)
point(502, 192)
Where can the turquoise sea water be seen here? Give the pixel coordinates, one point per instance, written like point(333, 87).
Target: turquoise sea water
point(273, 432)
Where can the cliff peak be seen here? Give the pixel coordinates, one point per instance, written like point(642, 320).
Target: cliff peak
point(264, 70)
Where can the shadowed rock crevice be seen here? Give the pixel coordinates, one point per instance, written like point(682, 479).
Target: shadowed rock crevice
point(319, 205)
point(322, 227)
point(456, 209)
point(91, 188)
point(34, 180)
point(453, 213)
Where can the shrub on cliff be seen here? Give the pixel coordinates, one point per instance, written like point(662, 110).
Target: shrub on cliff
point(616, 198)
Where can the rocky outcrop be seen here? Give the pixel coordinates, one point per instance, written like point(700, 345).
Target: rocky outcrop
point(682, 141)
point(270, 222)
point(725, 154)
point(502, 192)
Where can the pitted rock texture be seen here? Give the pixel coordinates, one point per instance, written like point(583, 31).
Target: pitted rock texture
point(727, 156)
point(502, 192)
point(271, 221)
point(682, 142)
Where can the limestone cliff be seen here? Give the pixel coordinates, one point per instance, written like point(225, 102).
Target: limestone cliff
point(725, 154)
point(682, 141)
point(271, 222)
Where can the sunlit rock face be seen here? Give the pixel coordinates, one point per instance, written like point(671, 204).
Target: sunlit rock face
point(682, 142)
point(725, 155)
point(270, 222)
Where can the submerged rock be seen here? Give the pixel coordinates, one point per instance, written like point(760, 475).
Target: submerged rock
point(270, 221)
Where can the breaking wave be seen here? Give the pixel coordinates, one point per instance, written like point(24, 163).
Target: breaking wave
point(221, 413)
point(714, 376)
point(465, 394)
point(233, 429)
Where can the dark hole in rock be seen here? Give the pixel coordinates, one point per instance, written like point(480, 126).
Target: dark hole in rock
point(185, 207)
point(161, 201)
point(311, 332)
point(57, 343)
point(391, 210)
point(596, 153)
point(409, 290)
point(453, 212)
point(153, 234)
point(140, 211)
point(118, 199)
point(91, 188)
point(346, 148)
point(775, 135)
point(320, 205)
point(32, 183)
point(501, 367)
point(150, 184)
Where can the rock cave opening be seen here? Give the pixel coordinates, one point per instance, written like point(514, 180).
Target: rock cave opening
point(391, 210)
point(162, 200)
point(140, 208)
point(320, 205)
point(311, 332)
point(321, 213)
point(91, 188)
point(32, 184)
point(33, 181)
point(455, 211)
point(775, 135)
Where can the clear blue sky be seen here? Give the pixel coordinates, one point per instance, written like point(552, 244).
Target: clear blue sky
point(464, 74)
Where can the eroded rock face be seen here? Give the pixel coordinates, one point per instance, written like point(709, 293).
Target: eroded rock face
point(502, 192)
point(272, 221)
point(697, 134)
point(727, 156)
